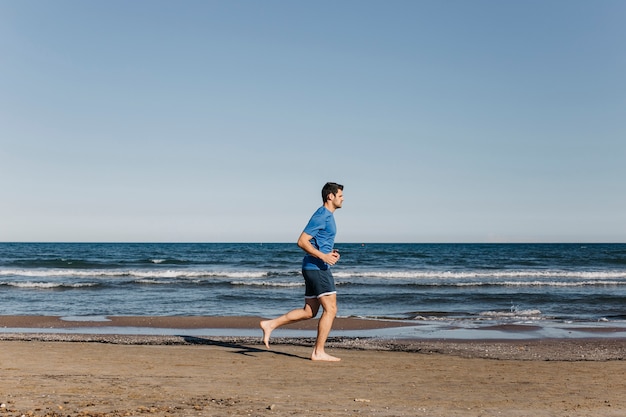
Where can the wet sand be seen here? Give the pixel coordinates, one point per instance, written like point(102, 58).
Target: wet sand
point(131, 375)
point(181, 322)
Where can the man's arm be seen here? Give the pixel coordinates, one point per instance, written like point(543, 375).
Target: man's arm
point(304, 242)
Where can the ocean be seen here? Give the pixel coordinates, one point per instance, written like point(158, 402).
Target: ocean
point(460, 284)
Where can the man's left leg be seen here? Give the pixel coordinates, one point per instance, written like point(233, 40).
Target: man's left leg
point(311, 306)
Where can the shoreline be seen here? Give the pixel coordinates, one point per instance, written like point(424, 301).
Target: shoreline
point(559, 350)
point(348, 334)
point(184, 322)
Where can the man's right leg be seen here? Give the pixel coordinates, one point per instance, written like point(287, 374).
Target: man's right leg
point(310, 309)
point(325, 324)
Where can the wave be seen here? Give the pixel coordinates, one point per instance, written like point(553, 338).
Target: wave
point(515, 314)
point(48, 285)
point(250, 283)
point(57, 263)
point(149, 281)
point(588, 283)
point(552, 283)
point(163, 261)
point(426, 279)
point(299, 283)
point(491, 275)
point(143, 273)
point(268, 284)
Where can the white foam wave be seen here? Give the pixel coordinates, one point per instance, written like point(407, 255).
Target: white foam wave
point(268, 284)
point(471, 278)
point(559, 283)
point(137, 273)
point(48, 285)
point(515, 314)
point(154, 281)
point(587, 283)
point(490, 275)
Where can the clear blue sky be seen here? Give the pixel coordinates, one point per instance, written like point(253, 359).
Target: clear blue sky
point(447, 121)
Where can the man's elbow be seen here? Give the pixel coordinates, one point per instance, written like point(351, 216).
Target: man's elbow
point(302, 241)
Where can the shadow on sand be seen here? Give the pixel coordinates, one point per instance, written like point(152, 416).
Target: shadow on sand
point(238, 348)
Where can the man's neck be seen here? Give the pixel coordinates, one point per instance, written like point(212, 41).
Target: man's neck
point(330, 207)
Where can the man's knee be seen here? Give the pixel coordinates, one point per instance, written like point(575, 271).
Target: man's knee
point(329, 304)
point(331, 309)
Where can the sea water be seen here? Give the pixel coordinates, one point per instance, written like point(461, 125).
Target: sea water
point(460, 284)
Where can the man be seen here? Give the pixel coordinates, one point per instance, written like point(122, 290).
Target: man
point(317, 240)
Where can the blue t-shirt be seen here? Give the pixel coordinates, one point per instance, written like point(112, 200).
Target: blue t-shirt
point(322, 228)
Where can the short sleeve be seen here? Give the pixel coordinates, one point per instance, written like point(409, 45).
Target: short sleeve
point(315, 224)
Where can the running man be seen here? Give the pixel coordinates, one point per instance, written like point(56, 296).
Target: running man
point(317, 240)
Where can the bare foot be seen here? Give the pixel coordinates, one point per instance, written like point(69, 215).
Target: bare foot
point(267, 331)
point(324, 357)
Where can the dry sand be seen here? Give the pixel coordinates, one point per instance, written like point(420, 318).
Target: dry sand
point(125, 375)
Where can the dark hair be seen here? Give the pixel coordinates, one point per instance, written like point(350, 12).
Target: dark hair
point(330, 188)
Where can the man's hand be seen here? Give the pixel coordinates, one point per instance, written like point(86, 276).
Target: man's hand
point(304, 242)
point(332, 258)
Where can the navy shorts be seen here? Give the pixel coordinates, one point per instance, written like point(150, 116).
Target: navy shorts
point(318, 283)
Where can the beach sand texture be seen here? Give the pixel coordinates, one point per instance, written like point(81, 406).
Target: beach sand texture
point(64, 375)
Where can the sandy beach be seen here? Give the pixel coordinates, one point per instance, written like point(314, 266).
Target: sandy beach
point(46, 374)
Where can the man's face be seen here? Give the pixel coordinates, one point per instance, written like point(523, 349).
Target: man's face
point(336, 199)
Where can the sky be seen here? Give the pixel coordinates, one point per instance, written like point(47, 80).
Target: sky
point(220, 121)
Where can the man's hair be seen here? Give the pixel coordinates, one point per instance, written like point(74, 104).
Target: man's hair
point(330, 188)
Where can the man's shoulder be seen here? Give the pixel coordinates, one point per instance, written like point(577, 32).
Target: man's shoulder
point(322, 212)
